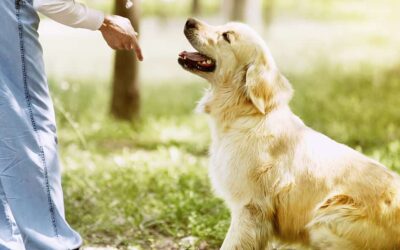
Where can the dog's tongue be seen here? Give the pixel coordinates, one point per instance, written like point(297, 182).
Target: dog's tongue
point(193, 56)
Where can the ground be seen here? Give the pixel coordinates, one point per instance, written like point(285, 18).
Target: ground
point(144, 184)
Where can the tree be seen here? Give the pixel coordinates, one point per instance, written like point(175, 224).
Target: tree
point(196, 8)
point(125, 101)
point(248, 11)
point(238, 10)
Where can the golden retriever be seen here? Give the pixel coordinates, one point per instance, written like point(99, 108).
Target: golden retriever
point(281, 180)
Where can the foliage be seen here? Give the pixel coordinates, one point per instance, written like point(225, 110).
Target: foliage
point(317, 9)
point(161, 8)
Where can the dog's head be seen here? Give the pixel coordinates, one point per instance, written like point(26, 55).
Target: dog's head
point(234, 56)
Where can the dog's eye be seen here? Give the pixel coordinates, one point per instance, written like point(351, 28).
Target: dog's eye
point(225, 35)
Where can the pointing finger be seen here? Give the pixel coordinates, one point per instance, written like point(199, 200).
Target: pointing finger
point(137, 48)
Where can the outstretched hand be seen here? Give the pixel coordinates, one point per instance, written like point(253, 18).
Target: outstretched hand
point(120, 35)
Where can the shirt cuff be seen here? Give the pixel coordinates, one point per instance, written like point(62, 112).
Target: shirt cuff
point(94, 19)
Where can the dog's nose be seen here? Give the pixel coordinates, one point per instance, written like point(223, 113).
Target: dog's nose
point(191, 23)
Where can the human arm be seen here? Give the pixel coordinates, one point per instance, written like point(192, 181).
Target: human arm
point(70, 13)
point(117, 31)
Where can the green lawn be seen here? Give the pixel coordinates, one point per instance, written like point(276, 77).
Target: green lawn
point(142, 183)
point(145, 183)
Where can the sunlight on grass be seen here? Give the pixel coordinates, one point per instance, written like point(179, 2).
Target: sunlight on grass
point(139, 196)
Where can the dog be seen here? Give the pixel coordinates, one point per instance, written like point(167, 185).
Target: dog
point(282, 181)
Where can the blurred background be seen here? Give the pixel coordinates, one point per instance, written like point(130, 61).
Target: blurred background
point(135, 154)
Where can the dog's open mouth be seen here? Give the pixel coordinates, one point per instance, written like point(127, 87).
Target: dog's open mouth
point(196, 61)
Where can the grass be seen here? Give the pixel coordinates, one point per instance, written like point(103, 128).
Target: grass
point(139, 183)
point(145, 183)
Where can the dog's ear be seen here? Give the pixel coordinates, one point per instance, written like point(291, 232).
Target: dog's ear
point(266, 87)
point(257, 86)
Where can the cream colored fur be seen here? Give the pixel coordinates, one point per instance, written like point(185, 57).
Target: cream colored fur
point(280, 179)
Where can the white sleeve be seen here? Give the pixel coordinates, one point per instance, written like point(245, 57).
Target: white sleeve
point(70, 13)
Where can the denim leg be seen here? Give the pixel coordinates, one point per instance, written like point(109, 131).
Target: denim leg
point(30, 180)
point(10, 237)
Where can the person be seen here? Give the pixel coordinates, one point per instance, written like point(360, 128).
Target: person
point(31, 199)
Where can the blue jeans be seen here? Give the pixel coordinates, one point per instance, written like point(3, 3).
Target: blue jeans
point(31, 199)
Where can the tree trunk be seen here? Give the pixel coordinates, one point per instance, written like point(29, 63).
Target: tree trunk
point(238, 11)
point(225, 9)
point(248, 11)
point(125, 102)
point(196, 8)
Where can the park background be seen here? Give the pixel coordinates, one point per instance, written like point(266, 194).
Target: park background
point(142, 183)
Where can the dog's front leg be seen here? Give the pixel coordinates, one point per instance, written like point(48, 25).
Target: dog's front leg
point(247, 231)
